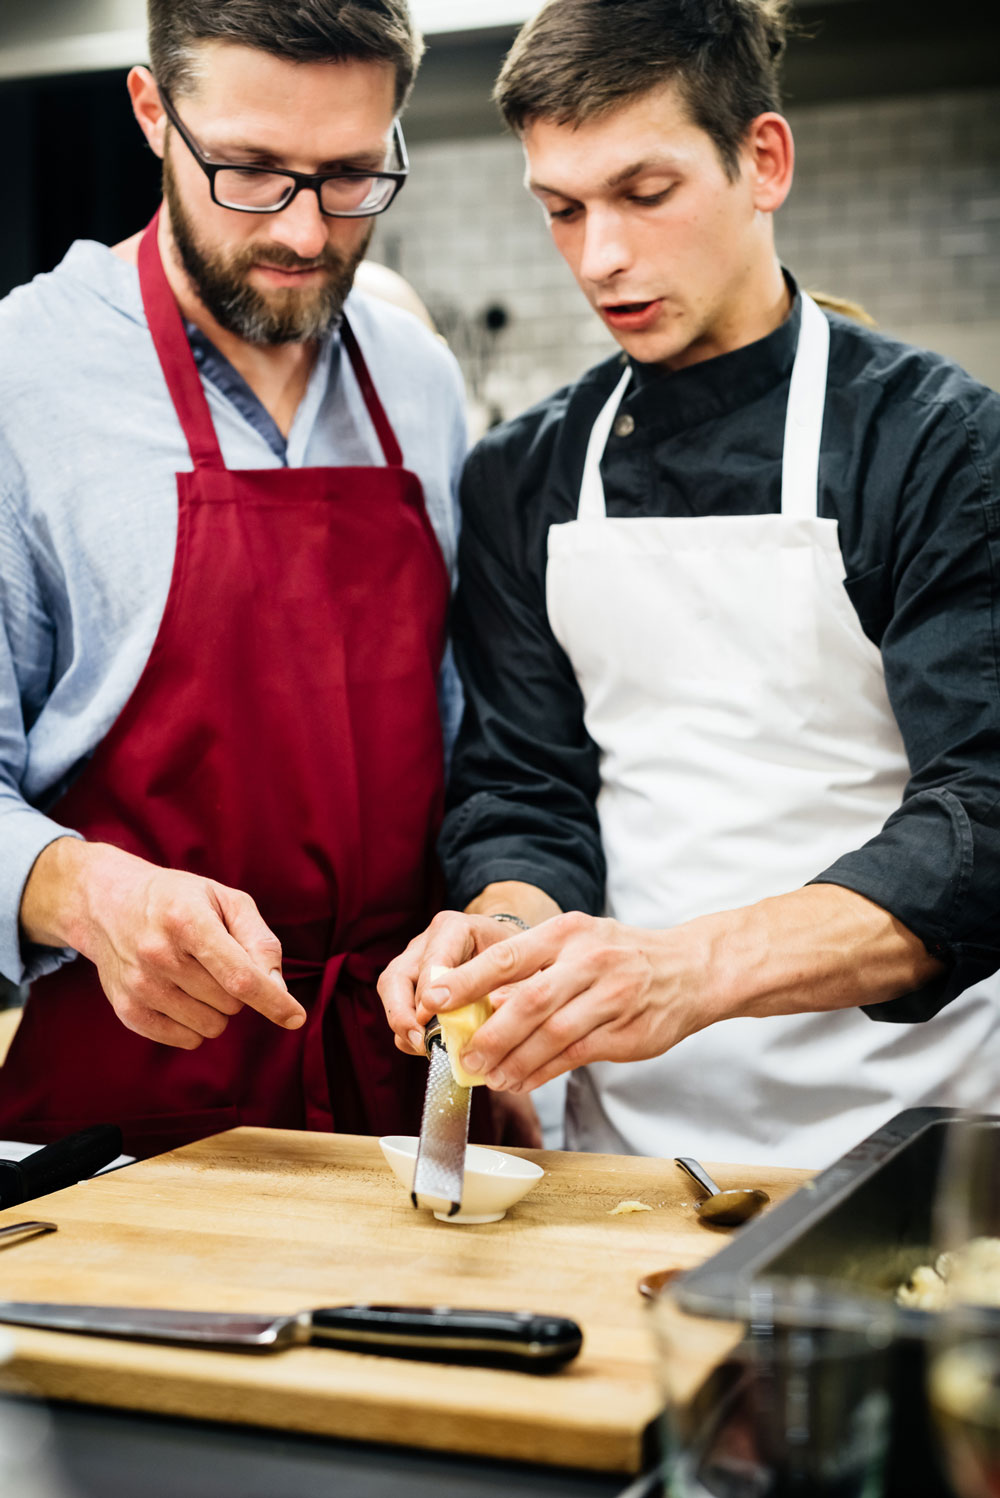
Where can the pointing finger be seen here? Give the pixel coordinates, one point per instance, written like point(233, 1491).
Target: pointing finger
point(248, 926)
point(233, 968)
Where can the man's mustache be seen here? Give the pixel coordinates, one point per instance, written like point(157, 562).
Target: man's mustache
point(280, 257)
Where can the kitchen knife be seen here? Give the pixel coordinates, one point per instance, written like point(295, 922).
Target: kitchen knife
point(513, 1339)
point(57, 1165)
point(444, 1132)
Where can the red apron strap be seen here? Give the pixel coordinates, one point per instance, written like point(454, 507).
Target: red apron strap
point(174, 352)
point(386, 435)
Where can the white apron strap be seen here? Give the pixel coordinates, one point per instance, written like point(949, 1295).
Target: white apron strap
point(592, 489)
point(804, 418)
point(803, 426)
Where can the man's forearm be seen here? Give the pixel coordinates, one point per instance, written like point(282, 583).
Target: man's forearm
point(71, 881)
point(818, 948)
point(53, 909)
point(623, 993)
point(511, 896)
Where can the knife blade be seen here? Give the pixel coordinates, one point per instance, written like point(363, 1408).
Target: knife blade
point(523, 1340)
point(439, 1173)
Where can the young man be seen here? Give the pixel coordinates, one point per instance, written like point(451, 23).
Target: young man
point(227, 525)
point(728, 628)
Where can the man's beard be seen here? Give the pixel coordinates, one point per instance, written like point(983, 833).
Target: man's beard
point(286, 315)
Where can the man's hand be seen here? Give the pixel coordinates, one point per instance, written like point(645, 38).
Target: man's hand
point(573, 990)
point(578, 989)
point(450, 939)
point(176, 954)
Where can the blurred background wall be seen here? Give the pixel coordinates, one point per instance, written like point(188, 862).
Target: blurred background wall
point(895, 106)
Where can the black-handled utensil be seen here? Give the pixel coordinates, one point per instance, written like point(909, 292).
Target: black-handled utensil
point(515, 1339)
point(58, 1165)
point(523, 1340)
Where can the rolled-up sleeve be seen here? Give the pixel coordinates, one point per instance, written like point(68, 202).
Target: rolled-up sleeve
point(25, 666)
point(524, 782)
point(936, 863)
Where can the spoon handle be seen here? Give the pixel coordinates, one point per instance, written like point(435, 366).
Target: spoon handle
point(695, 1171)
point(17, 1232)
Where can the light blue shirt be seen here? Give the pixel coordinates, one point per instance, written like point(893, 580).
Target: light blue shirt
point(89, 449)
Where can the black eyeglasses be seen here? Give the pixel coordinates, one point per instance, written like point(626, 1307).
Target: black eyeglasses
point(264, 189)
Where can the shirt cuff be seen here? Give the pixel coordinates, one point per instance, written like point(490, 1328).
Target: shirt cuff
point(24, 834)
point(561, 885)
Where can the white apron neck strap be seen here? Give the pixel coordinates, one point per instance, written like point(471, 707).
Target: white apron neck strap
point(804, 417)
point(592, 488)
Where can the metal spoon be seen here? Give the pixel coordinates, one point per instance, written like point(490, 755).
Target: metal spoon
point(723, 1209)
point(651, 1285)
point(18, 1232)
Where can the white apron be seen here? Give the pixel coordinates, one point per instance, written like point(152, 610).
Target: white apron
point(746, 742)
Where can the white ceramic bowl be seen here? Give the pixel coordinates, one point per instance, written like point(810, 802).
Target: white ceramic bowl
point(493, 1181)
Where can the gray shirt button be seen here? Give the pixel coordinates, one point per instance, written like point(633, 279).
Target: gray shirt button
point(625, 425)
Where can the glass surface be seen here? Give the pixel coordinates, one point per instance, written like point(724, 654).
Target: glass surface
point(27, 1466)
point(265, 192)
point(964, 1344)
point(791, 1402)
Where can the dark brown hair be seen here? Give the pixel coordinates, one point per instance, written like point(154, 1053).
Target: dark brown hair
point(300, 30)
point(579, 59)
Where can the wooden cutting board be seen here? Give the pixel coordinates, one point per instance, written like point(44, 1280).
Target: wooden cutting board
point(272, 1220)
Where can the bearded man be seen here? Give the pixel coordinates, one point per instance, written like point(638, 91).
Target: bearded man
point(226, 539)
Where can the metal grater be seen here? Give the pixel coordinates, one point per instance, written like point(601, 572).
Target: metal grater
point(444, 1132)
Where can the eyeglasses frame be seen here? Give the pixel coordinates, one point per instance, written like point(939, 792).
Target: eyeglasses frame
point(300, 180)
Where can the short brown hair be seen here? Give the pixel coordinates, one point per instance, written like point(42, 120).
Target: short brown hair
point(300, 30)
point(579, 59)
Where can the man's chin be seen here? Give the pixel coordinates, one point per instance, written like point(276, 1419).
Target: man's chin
point(297, 314)
point(650, 348)
point(669, 343)
point(286, 315)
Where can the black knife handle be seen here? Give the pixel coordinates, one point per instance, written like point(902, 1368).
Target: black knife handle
point(509, 1339)
point(57, 1165)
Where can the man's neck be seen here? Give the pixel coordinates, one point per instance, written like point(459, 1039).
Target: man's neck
point(278, 374)
point(762, 304)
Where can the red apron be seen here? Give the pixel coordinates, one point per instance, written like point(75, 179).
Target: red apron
point(285, 740)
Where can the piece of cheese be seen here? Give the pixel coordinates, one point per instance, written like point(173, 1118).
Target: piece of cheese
point(457, 1029)
point(623, 1209)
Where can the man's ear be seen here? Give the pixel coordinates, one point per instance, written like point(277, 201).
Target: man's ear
point(147, 108)
point(769, 160)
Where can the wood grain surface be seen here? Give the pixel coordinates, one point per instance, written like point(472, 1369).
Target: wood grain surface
point(271, 1220)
